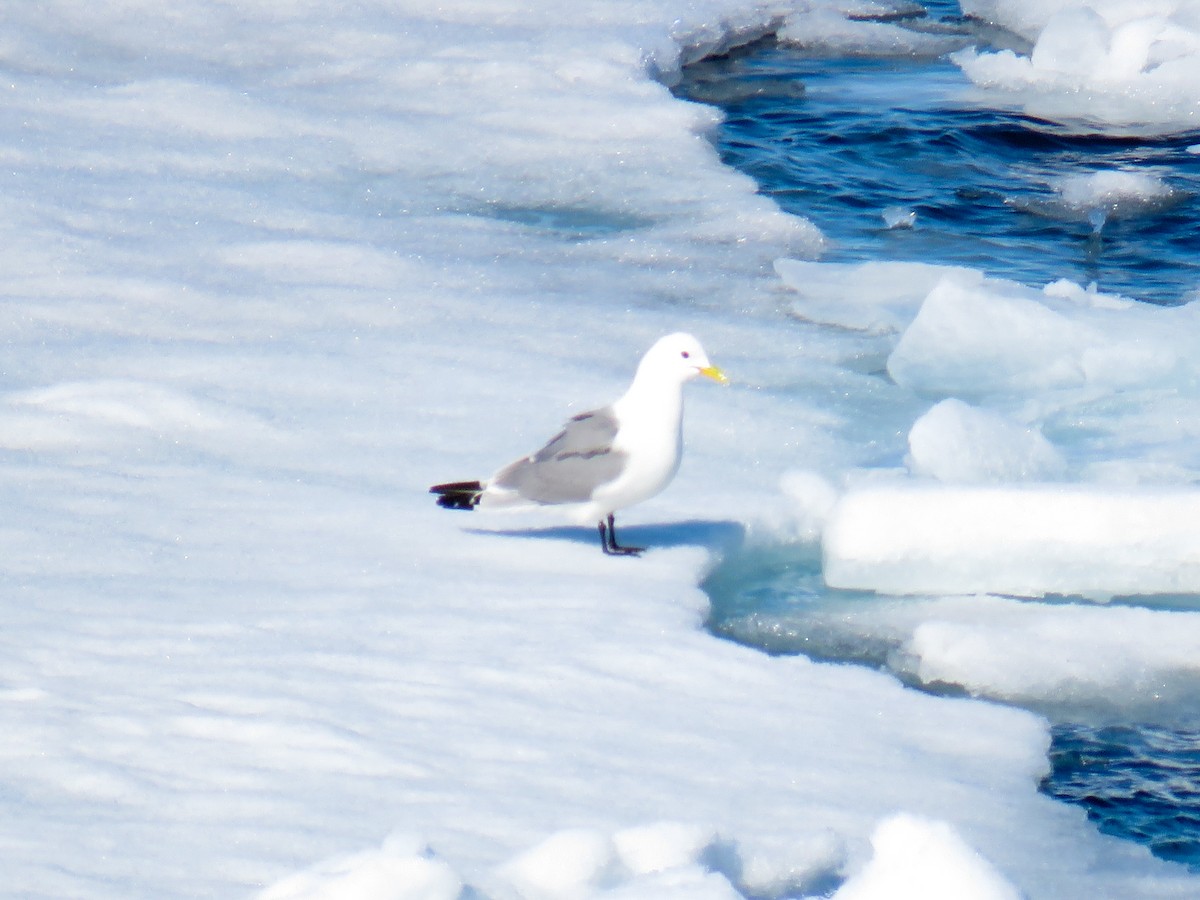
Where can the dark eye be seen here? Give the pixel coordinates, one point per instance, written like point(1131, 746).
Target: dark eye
point(685, 354)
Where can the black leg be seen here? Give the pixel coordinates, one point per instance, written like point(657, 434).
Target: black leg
point(608, 540)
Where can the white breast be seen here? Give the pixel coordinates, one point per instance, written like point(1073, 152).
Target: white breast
point(651, 440)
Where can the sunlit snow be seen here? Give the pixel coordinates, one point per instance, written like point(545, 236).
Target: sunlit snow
point(271, 270)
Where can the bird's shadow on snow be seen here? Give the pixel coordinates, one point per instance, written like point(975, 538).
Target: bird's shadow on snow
point(718, 535)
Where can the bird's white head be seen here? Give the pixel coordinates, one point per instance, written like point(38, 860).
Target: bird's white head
point(678, 357)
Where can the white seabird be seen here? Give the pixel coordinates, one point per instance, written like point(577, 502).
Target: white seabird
point(606, 459)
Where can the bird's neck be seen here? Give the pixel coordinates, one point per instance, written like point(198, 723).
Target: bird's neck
point(651, 401)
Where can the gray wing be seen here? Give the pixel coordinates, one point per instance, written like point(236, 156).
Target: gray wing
point(575, 462)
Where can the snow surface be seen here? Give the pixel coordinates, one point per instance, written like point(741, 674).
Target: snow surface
point(273, 269)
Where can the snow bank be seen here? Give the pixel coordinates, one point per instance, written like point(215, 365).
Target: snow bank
point(1029, 541)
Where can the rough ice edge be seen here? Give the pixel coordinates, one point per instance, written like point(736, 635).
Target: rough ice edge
point(1027, 540)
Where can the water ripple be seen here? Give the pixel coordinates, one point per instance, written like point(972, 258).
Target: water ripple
point(841, 140)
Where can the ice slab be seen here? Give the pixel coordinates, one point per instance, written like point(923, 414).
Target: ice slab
point(1029, 540)
point(998, 337)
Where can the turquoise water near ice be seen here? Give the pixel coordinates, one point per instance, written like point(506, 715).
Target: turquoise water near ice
point(863, 143)
point(1137, 780)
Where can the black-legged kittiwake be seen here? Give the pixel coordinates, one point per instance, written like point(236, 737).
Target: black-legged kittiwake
point(606, 459)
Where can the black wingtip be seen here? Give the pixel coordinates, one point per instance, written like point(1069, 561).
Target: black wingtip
point(458, 494)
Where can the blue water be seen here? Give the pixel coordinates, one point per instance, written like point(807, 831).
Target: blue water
point(1136, 781)
point(842, 140)
point(848, 141)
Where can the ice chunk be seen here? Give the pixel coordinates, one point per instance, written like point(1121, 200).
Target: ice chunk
point(1097, 197)
point(787, 867)
point(993, 337)
point(1128, 67)
point(1074, 41)
point(899, 217)
point(402, 869)
point(660, 859)
point(1026, 541)
point(921, 859)
point(967, 339)
point(564, 864)
point(1121, 191)
point(957, 442)
point(666, 845)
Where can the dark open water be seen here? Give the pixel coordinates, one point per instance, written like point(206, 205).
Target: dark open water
point(892, 160)
point(846, 141)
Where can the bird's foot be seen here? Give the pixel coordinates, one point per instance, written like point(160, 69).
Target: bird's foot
point(608, 541)
point(616, 550)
